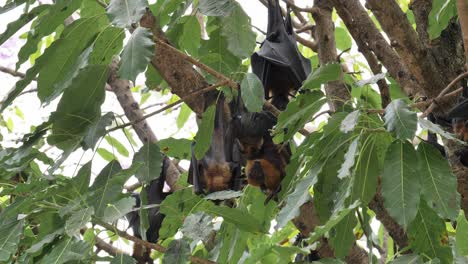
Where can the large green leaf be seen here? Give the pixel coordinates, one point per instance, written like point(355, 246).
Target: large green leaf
point(253, 94)
point(14, 26)
point(136, 54)
point(233, 243)
point(441, 13)
point(237, 217)
point(462, 234)
point(326, 73)
point(125, 13)
point(401, 182)
point(216, 7)
point(349, 160)
point(45, 25)
point(62, 54)
point(178, 148)
point(10, 234)
point(178, 252)
point(408, 259)
point(96, 131)
point(343, 40)
point(198, 226)
point(79, 107)
point(68, 249)
point(439, 185)
point(191, 35)
point(151, 158)
point(342, 236)
point(108, 43)
point(116, 145)
point(350, 122)
point(400, 119)
point(123, 259)
point(205, 132)
point(78, 220)
point(119, 209)
point(426, 234)
point(298, 113)
point(238, 32)
point(426, 124)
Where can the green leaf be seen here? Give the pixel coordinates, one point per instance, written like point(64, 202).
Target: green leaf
point(124, 13)
point(426, 124)
point(349, 160)
point(233, 243)
point(123, 259)
point(205, 132)
point(350, 122)
point(45, 25)
point(298, 113)
point(326, 73)
point(179, 148)
point(105, 154)
point(400, 119)
point(59, 58)
point(151, 158)
point(368, 167)
point(216, 7)
point(119, 209)
point(238, 32)
point(153, 78)
point(178, 252)
point(297, 198)
point(67, 250)
point(191, 35)
point(176, 207)
point(401, 182)
point(20, 86)
point(117, 145)
point(10, 234)
point(78, 220)
point(253, 94)
point(439, 17)
point(183, 116)
point(96, 131)
point(223, 195)
point(336, 218)
point(408, 259)
point(136, 54)
point(44, 241)
point(343, 40)
point(462, 234)
point(438, 182)
point(240, 219)
point(197, 227)
point(79, 107)
point(108, 43)
point(426, 234)
point(24, 19)
point(342, 236)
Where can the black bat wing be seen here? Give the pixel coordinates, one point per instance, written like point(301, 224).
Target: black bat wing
point(194, 173)
point(459, 111)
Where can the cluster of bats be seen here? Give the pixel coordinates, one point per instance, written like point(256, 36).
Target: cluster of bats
point(242, 150)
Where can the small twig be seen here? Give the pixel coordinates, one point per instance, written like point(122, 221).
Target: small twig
point(308, 43)
point(305, 28)
point(146, 244)
point(259, 30)
point(181, 100)
point(101, 3)
point(301, 9)
point(12, 72)
point(443, 92)
point(28, 91)
point(361, 222)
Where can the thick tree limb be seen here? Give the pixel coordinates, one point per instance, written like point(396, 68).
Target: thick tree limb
point(406, 42)
point(336, 91)
point(367, 36)
point(121, 88)
point(421, 10)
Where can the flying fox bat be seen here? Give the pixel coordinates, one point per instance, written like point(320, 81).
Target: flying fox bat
point(220, 168)
point(265, 161)
point(155, 195)
point(279, 64)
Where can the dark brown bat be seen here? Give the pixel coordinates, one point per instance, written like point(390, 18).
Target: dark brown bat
point(279, 64)
point(265, 161)
point(459, 117)
point(220, 168)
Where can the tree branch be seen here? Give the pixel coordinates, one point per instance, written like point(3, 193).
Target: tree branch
point(462, 8)
point(12, 72)
point(421, 10)
point(146, 244)
point(325, 36)
point(367, 36)
point(406, 42)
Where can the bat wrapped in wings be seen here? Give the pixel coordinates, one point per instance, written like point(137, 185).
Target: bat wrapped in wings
point(459, 116)
point(220, 168)
point(279, 64)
